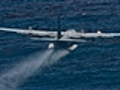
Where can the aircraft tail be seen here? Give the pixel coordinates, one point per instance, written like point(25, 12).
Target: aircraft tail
point(59, 28)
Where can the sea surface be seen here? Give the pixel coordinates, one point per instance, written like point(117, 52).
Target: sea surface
point(92, 66)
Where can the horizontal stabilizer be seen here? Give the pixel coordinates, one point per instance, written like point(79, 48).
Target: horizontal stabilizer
point(60, 40)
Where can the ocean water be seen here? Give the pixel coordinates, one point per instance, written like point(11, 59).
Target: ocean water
point(26, 64)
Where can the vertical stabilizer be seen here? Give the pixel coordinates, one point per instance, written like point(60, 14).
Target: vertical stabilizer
point(59, 28)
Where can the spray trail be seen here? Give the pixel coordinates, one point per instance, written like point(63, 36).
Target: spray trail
point(58, 55)
point(16, 76)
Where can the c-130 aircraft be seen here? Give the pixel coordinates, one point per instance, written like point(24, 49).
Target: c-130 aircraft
point(61, 39)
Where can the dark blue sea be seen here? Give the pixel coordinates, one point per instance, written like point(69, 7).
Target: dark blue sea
point(92, 66)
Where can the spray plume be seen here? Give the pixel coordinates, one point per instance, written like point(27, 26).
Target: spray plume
point(27, 68)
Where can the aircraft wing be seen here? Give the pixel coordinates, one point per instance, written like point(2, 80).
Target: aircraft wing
point(91, 35)
point(31, 32)
point(96, 35)
point(69, 35)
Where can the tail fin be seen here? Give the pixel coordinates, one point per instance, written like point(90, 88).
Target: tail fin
point(59, 28)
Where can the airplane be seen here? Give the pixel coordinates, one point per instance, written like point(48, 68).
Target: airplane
point(61, 39)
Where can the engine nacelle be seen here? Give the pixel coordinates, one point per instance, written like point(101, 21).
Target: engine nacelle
point(70, 32)
point(73, 47)
point(51, 45)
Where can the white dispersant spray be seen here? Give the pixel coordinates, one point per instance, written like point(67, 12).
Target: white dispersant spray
point(20, 72)
point(23, 70)
point(57, 55)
